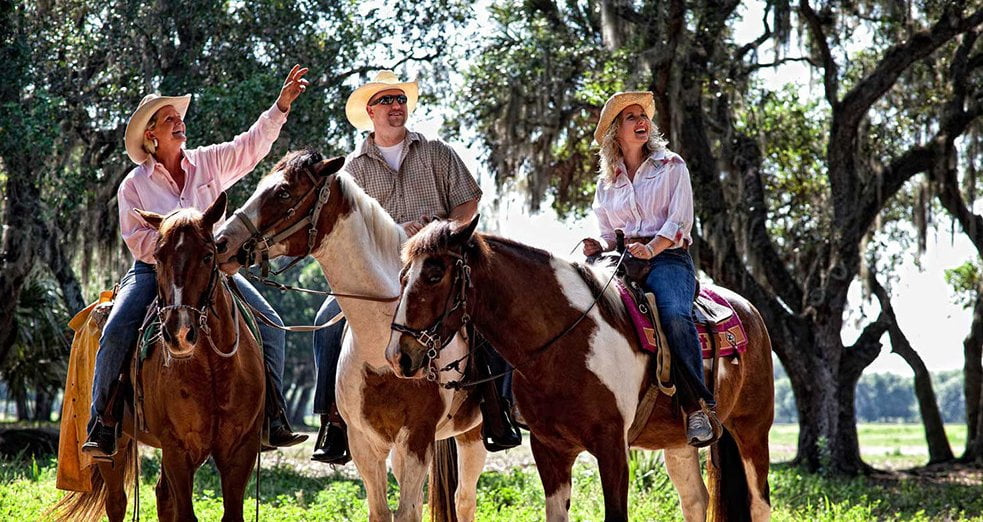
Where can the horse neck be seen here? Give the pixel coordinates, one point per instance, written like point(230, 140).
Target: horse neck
point(355, 262)
point(220, 322)
point(507, 313)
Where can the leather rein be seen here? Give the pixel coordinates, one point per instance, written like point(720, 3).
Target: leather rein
point(431, 338)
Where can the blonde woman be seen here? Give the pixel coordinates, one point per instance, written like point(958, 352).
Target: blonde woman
point(644, 189)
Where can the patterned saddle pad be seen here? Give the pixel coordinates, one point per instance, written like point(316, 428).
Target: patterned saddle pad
point(730, 333)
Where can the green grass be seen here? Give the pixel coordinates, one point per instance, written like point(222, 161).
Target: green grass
point(27, 489)
point(890, 446)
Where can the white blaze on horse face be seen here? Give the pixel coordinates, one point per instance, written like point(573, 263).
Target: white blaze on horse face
point(392, 349)
point(611, 358)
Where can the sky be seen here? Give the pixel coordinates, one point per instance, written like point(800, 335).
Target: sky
point(923, 302)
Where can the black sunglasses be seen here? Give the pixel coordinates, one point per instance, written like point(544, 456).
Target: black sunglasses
point(389, 99)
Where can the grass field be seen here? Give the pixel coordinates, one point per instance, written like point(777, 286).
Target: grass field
point(293, 490)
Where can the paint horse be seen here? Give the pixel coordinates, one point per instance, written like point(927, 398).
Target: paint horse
point(306, 206)
point(202, 383)
point(578, 388)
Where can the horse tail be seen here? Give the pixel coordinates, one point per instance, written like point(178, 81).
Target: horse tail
point(90, 506)
point(443, 481)
point(730, 498)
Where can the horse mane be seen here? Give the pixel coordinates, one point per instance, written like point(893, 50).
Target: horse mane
point(381, 226)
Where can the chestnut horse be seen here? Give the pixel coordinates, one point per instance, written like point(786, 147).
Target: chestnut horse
point(578, 384)
point(202, 383)
point(305, 206)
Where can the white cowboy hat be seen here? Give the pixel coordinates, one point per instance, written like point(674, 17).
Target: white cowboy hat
point(383, 81)
point(149, 106)
point(618, 103)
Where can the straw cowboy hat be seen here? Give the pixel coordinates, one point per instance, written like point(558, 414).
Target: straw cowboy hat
point(383, 81)
point(618, 103)
point(149, 106)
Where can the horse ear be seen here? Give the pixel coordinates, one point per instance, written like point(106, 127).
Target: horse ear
point(463, 235)
point(215, 211)
point(330, 166)
point(152, 218)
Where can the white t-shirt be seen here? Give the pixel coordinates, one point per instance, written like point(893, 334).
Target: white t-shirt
point(392, 154)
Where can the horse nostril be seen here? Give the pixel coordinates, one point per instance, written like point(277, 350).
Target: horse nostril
point(406, 364)
point(167, 336)
point(191, 336)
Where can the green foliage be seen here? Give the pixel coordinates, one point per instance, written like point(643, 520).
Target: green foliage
point(965, 282)
point(40, 341)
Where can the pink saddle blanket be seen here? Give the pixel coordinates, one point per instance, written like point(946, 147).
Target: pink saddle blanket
point(731, 337)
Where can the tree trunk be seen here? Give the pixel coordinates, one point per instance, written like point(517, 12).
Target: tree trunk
point(19, 247)
point(23, 409)
point(972, 388)
point(298, 407)
point(939, 449)
point(42, 406)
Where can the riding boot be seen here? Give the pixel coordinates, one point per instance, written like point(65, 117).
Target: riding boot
point(279, 433)
point(498, 429)
point(105, 431)
point(331, 446)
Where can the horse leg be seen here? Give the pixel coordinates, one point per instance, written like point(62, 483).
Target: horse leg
point(179, 469)
point(554, 466)
point(370, 461)
point(414, 450)
point(165, 506)
point(471, 460)
point(683, 466)
point(235, 464)
point(752, 441)
point(113, 475)
point(612, 459)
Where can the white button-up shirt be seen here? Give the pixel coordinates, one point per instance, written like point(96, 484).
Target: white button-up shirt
point(208, 171)
point(659, 202)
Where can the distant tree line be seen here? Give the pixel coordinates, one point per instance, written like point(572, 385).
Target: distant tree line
point(885, 397)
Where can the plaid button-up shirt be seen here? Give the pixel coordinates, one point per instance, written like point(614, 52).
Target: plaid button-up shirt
point(431, 180)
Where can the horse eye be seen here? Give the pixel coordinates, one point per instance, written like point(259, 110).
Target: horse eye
point(283, 194)
point(208, 259)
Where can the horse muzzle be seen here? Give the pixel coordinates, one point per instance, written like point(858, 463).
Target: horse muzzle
point(407, 357)
point(179, 333)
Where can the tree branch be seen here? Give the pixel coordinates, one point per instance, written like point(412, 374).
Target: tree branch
point(831, 75)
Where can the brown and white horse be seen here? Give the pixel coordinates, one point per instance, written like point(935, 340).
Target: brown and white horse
point(202, 383)
point(580, 391)
point(357, 245)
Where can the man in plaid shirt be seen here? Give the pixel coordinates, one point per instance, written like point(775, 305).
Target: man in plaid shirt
point(416, 180)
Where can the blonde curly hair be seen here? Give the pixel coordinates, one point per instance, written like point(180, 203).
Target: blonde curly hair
point(610, 152)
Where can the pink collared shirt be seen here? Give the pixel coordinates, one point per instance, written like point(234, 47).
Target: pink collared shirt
point(208, 171)
point(659, 202)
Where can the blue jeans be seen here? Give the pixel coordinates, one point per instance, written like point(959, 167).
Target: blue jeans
point(137, 290)
point(327, 351)
point(673, 281)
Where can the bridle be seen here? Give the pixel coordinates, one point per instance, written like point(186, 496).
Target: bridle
point(260, 242)
point(207, 304)
point(431, 337)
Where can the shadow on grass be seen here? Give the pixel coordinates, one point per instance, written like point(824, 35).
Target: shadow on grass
point(888, 494)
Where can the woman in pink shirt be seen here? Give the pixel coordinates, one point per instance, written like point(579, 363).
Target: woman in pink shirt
point(169, 177)
point(644, 190)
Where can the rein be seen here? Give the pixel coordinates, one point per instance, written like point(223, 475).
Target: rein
point(430, 337)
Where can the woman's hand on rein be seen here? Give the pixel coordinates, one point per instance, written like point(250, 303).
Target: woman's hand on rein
point(292, 87)
point(641, 251)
